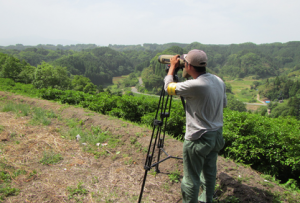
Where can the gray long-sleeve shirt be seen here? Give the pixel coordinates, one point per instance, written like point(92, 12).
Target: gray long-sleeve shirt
point(205, 99)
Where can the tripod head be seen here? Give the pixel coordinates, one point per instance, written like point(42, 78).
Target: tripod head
point(176, 70)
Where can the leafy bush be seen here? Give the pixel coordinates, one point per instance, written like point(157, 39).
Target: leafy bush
point(7, 84)
point(269, 145)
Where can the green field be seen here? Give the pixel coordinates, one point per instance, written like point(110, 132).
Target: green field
point(242, 90)
point(115, 80)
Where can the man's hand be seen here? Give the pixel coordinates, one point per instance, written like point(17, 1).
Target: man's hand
point(174, 61)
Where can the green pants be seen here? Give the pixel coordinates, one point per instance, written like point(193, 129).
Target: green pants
point(200, 166)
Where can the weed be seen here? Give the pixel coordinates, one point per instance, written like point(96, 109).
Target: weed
point(6, 191)
point(152, 172)
point(244, 179)
point(33, 173)
point(13, 134)
point(5, 177)
point(174, 176)
point(81, 122)
point(72, 123)
point(134, 198)
point(1, 128)
point(218, 187)
point(133, 140)
point(95, 180)
point(138, 145)
point(79, 190)
point(166, 186)
point(277, 197)
point(41, 116)
point(229, 199)
point(7, 173)
point(51, 114)
point(128, 161)
point(19, 172)
point(107, 200)
point(113, 142)
point(291, 184)
point(38, 115)
point(90, 114)
point(3, 98)
point(49, 157)
point(19, 109)
point(114, 157)
point(138, 134)
point(266, 184)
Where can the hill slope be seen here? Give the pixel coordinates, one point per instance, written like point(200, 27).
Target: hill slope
point(116, 175)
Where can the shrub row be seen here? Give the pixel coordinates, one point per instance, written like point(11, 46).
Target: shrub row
point(269, 145)
point(136, 109)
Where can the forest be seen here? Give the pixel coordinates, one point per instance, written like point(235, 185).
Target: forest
point(88, 67)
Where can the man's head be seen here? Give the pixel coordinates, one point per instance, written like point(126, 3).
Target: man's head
point(197, 59)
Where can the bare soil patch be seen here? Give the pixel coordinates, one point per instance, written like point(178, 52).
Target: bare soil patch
point(114, 177)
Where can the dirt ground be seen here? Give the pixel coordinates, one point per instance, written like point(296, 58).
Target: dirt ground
point(115, 177)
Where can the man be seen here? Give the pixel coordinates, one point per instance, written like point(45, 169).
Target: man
point(205, 99)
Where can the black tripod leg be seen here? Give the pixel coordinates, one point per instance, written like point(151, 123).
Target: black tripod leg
point(159, 146)
point(164, 117)
point(143, 185)
point(159, 124)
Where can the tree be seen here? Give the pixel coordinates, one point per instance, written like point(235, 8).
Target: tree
point(47, 75)
point(90, 88)
point(27, 74)
point(262, 110)
point(228, 88)
point(234, 104)
point(11, 68)
point(80, 82)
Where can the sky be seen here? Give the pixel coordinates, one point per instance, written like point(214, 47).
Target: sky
point(133, 22)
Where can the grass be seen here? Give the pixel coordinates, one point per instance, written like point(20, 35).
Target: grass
point(166, 186)
point(152, 172)
point(93, 137)
point(133, 140)
point(39, 115)
point(18, 109)
point(6, 191)
point(49, 158)
point(174, 176)
point(75, 192)
point(241, 89)
point(7, 174)
point(228, 199)
point(115, 80)
point(128, 161)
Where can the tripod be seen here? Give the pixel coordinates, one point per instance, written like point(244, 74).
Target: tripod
point(164, 110)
